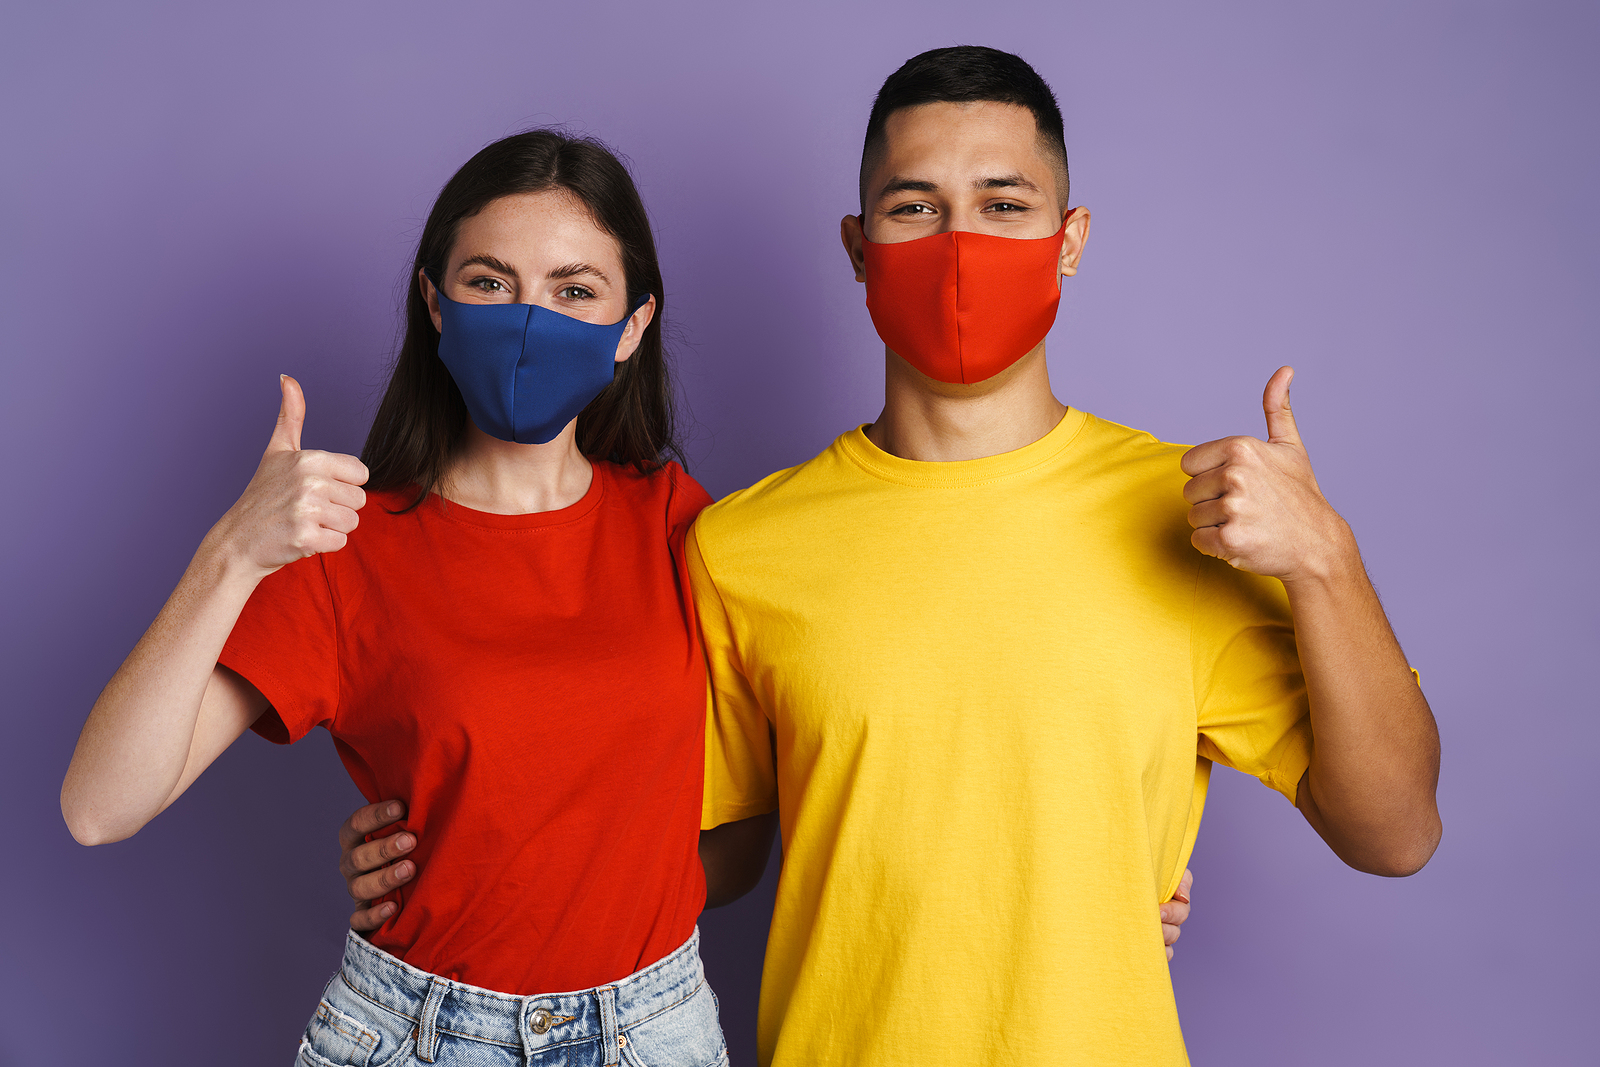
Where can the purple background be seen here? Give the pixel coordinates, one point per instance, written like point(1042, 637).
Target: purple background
point(198, 196)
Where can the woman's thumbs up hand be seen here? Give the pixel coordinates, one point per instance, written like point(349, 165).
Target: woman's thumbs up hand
point(300, 502)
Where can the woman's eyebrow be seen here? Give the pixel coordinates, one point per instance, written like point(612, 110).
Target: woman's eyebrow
point(491, 262)
point(573, 270)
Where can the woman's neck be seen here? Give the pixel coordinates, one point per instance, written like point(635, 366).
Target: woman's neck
point(504, 478)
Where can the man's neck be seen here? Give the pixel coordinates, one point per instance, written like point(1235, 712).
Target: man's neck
point(938, 423)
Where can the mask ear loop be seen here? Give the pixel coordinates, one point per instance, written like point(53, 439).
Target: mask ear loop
point(644, 299)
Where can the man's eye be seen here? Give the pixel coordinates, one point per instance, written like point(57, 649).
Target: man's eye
point(575, 292)
point(1004, 208)
point(912, 209)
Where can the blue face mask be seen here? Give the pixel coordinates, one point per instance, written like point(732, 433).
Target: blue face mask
point(526, 371)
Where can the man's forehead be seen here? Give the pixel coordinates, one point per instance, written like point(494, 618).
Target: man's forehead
point(966, 137)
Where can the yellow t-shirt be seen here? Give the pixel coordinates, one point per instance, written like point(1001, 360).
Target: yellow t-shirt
point(984, 697)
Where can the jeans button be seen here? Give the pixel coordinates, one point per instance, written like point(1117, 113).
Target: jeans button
point(542, 1021)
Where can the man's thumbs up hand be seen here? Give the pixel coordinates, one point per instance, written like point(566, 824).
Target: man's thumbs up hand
point(1275, 404)
point(299, 503)
point(1257, 505)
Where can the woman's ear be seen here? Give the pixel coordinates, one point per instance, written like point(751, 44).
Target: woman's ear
point(851, 233)
point(431, 295)
point(633, 333)
point(1073, 238)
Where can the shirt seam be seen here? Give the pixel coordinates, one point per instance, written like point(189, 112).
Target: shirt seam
point(864, 462)
point(600, 497)
point(1194, 615)
point(338, 642)
point(716, 587)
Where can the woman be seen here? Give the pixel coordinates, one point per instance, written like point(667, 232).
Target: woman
point(497, 627)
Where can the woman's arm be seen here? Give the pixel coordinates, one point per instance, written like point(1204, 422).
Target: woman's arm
point(170, 709)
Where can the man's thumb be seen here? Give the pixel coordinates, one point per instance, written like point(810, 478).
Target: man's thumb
point(1275, 403)
point(291, 416)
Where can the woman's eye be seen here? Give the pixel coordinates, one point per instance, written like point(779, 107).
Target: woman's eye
point(574, 292)
point(490, 285)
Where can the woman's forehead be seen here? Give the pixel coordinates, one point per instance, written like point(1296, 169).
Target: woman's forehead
point(532, 228)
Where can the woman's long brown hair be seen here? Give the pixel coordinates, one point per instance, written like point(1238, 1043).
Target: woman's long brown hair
point(422, 418)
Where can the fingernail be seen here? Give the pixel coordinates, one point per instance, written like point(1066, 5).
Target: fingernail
point(386, 911)
point(1166, 914)
point(404, 841)
point(393, 810)
point(403, 870)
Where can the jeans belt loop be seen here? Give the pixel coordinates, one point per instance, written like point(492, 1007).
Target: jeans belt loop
point(610, 1048)
point(427, 1028)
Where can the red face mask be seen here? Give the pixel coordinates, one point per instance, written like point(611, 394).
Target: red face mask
point(962, 307)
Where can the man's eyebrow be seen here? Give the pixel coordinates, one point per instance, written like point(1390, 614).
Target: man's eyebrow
point(1005, 181)
point(573, 270)
point(907, 185)
point(922, 185)
point(491, 262)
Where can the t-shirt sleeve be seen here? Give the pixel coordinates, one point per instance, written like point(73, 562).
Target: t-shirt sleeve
point(688, 500)
point(741, 780)
point(1250, 691)
point(286, 645)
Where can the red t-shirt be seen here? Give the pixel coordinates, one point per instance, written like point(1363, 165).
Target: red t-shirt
point(533, 687)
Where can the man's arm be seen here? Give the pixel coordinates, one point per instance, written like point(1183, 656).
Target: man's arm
point(375, 868)
point(1369, 790)
point(734, 856)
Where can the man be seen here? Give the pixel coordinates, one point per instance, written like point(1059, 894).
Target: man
point(980, 654)
point(969, 656)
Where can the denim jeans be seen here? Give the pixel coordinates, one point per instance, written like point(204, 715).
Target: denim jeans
point(379, 1011)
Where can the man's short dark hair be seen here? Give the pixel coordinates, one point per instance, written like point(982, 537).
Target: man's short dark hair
point(962, 75)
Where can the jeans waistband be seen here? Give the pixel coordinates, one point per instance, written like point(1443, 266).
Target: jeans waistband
point(533, 1023)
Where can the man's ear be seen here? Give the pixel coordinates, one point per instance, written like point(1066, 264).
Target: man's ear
point(633, 333)
point(1073, 238)
point(852, 235)
point(431, 295)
